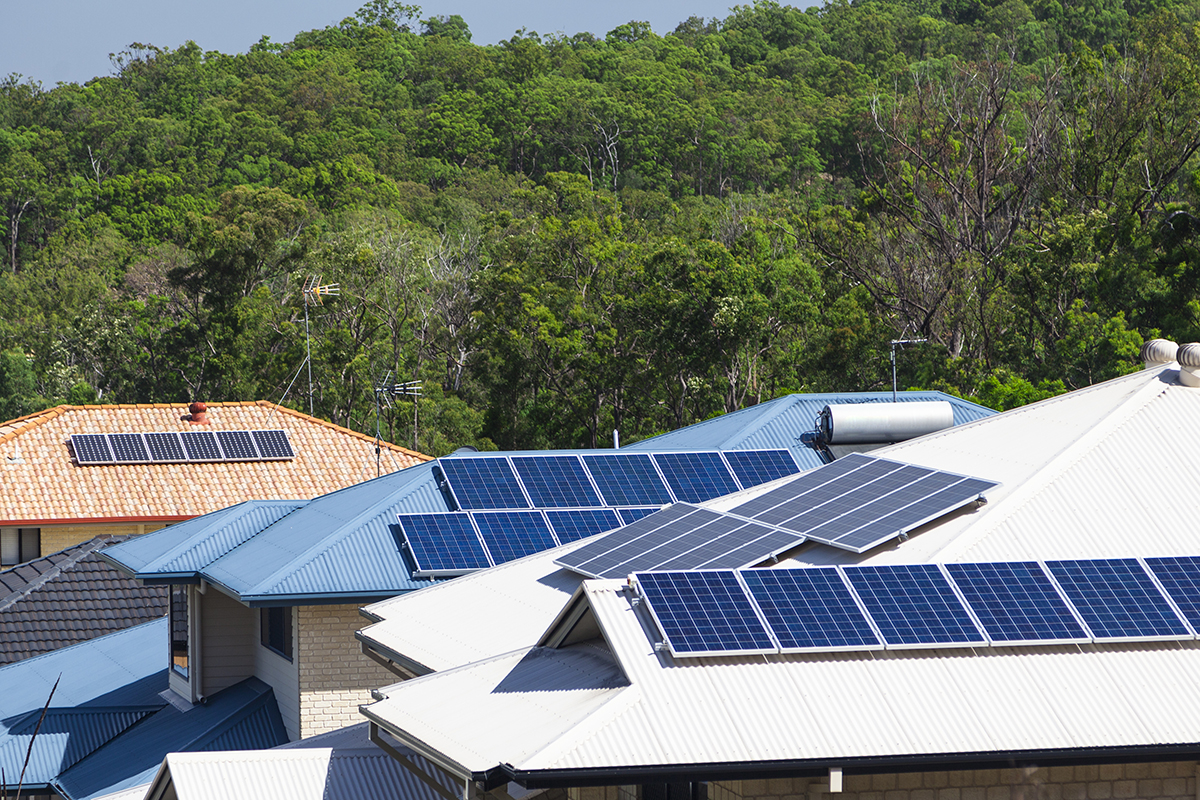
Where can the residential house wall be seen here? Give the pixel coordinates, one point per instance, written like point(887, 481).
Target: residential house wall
point(280, 673)
point(227, 637)
point(60, 537)
point(335, 677)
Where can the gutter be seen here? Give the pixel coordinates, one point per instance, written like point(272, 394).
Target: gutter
point(812, 768)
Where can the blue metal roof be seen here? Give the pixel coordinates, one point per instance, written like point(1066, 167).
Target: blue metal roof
point(243, 717)
point(345, 546)
point(784, 421)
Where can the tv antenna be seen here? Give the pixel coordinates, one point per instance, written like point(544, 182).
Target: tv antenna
point(314, 290)
point(900, 342)
point(385, 391)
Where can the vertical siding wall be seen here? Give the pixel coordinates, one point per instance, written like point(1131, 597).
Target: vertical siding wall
point(60, 537)
point(335, 677)
point(1165, 781)
point(279, 673)
point(227, 632)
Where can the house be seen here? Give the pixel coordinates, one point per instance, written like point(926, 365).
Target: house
point(53, 497)
point(90, 719)
point(68, 597)
point(660, 684)
point(272, 589)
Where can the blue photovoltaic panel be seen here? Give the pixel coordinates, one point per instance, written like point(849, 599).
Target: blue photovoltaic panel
point(201, 446)
point(128, 448)
point(756, 467)
point(273, 445)
point(627, 479)
point(810, 609)
point(237, 445)
point(624, 543)
point(575, 524)
point(483, 483)
point(696, 477)
point(510, 535)
point(443, 544)
point(1117, 599)
point(632, 515)
point(91, 448)
point(703, 613)
point(165, 447)
point(913, 606)
point(1181, 578)
point(555, 481)
point(1016, 602)
point(801, 487)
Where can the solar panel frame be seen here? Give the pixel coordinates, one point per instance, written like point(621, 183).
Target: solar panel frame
point(129, 448)
point(556, 481)
point(237, 445)
point(483, 484)
point(702, 619)
point(1118, 600)
point(201, 446)
point(614, 474)
point(1014, 600)
point(573, 524)
point(1179, 578)
point(694, 477)
point(811, 610)
point(443, 544)
point(909, 603)
point(91, 448)
point(509, 535)
point(273, 445)
point(165, 447)
point(755, 467)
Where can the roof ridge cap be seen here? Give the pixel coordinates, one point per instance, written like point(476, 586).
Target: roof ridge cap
point(85, 549)
point(28, 421)
point(995, 514)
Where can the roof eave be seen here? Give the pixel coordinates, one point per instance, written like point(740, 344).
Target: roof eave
point(750, 770)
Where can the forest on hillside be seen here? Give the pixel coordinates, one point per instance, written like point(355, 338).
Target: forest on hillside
point(565, 235)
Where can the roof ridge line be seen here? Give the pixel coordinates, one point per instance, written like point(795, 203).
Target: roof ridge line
point(1056, 465)
point(28, 422)
point(85, 549)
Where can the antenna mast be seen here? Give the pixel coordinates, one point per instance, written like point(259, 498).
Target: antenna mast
point(313, 291)
point(385, 390)
point(894, 343)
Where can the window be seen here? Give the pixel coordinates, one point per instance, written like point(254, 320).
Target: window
point(18, 545)
point(276, 630)
point(179, 629)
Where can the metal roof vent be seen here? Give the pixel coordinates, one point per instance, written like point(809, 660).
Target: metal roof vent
point(1189, 364)
point(1158, 352)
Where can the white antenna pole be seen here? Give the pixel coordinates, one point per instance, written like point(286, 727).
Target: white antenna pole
point(894, 343)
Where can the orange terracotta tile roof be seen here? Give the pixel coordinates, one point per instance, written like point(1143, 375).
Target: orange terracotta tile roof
point(40, 483)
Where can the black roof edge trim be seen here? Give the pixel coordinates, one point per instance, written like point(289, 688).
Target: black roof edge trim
point(415, 667)
point(749, 770)
point(272, 600)
point(164, 578)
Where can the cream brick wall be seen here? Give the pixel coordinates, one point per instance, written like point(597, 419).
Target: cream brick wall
point(60, 537)
point(335, 677)
point(1154, 781)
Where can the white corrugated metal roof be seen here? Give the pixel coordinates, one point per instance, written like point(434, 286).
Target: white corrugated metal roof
point(250, 774)
point(1104, 471)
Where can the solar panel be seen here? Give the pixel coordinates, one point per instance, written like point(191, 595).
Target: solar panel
point(510, 535)
point(483, 483)
point(627, 479)
point(201, 446)
point(805, 484)
point(443, 544)
point(91, 448)
point(696, 477)
point(237, 445)
point(165, 447)
point(914, 606)
point(632, 515)
point(273, 444)
point(128, 448)
point(555, 481)
point(1117, 599)
point(756, 467)
point(810, 609)
point(728, 543)
point(1017, 603)
point(704, 613)
point(631, 539)
point(575, 524)
point(1181, 578)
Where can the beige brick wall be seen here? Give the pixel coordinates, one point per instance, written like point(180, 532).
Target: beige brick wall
point(1155, 781)
point(60, 537)
point(335, 677)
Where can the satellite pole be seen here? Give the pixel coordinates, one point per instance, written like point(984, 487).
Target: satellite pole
point(385, 390)
point(894, 343)
point(313, 290)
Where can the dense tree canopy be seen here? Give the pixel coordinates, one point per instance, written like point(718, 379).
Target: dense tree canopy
point(563, 235)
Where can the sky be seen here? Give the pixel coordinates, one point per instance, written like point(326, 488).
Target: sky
point(69, 40)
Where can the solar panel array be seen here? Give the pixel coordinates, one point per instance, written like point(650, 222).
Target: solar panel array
point(855, 503)
point(171, 447)
point(737, 612)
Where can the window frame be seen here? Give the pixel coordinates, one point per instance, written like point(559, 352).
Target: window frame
point(275, 630)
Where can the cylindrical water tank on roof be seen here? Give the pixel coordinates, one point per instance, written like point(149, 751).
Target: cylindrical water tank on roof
point(867, 423)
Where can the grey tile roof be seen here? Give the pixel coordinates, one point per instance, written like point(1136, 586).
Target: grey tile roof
point(69, 597)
